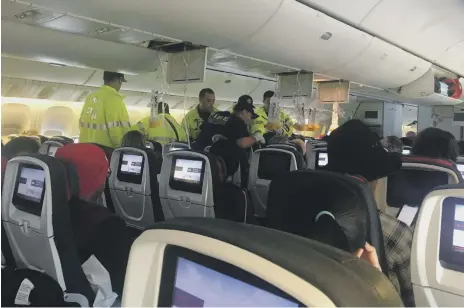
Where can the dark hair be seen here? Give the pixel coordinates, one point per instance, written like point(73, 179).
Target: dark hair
point(393, 144)
point(436, 143)
point(205, 91)
point(20, 145)
point(326, 230)
point(407, 141)
point(163, 108)
point(133, 139)
point(43, 138)
point(268, 94)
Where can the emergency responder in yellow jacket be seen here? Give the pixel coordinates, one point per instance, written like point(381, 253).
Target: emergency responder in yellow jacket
point(261, 123)
point(167, 130)
point(104, 119)
point(193, 120)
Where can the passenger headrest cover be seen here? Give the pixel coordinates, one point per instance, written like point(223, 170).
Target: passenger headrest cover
point(354, 149)
point(91, 163)
point(295, 198)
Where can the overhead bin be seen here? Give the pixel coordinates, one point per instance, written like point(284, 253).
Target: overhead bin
point(53, 46)
point(431, 29)
point(306, 38)
point(382, 65)
point(286, 32)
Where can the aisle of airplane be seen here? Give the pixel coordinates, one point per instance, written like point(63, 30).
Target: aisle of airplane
point(312, 219)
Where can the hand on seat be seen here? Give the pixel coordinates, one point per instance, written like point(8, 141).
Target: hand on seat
point(369, 254)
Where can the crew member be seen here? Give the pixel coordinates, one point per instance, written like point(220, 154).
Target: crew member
point(193, 120)
point(166, 131)
point(104, 119)
point(232, 126)
point(261, 123)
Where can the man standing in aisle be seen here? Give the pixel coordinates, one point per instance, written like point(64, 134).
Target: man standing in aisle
point(104, 119)
point(193, 120)
point(261, 123)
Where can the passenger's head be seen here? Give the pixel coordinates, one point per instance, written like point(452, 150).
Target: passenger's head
point(245, 99)
point(163, 108)
point(436, 143)
point(20, 146)
point(411, 134)
point(207, 99)
point(113, 79)
point(354, 149)
point(91, 165)
point(267, 98)
point(43, 139)
point(393, 144)
point(245, 111)
point(134, 139)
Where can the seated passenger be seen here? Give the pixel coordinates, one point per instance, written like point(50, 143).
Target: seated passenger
point(393, 144)
point(436, 143)
point(167, 130)
point(134, 139)
point(283, 139)
point(19, 146)
point(98, 232)
point(354, 149)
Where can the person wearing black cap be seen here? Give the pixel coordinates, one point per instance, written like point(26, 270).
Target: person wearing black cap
point(354, 149)
point(232, 126)
point(104, 119)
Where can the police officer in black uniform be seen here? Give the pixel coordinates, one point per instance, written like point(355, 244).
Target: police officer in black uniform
point(233, 126)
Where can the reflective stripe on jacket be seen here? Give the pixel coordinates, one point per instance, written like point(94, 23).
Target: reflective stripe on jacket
point(104, 118)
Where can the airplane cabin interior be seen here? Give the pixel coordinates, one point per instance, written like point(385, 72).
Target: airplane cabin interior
point(297, 210)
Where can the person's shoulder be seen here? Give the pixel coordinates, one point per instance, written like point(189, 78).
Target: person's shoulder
point(192, 112)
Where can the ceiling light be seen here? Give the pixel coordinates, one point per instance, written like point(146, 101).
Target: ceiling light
point(326, 36)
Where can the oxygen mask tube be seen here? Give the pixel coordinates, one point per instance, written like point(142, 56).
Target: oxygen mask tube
point(154, 117)
point(273, 120)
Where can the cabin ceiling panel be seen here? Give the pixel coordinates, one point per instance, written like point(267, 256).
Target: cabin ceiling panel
point(299, 31)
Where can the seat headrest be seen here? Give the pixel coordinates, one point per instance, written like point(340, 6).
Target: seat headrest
point(274, 163)
point(297, 197)
point(325, 276)
point(428, 161)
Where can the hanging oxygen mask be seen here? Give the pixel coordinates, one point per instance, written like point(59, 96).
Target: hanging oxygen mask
point(154, 120)
point(273, 117)
point(305, 119)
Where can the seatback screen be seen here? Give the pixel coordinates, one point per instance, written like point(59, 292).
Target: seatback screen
point(273, 164)
point(131, 164)
point(29, 189)
point(322, 158)
point(187, 174)
point(406, 152)
point(461, 168)
point(131, 168)
point(196, 280)
point(452, 234)
point(52, 150)
point(458, 232)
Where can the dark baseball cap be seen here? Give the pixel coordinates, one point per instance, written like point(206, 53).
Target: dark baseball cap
point(244, 105)
point(245, 99)
point(110, 76)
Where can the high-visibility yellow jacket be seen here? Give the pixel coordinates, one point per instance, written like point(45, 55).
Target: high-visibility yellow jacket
point(193, 122)
point(166, 130)
point(260, 122)
point(104, 118)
